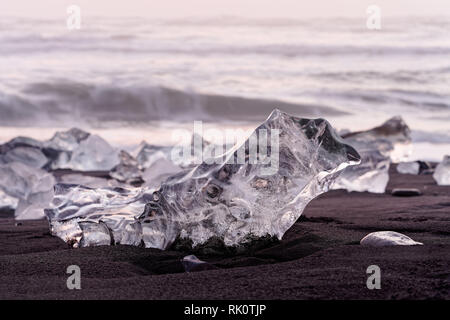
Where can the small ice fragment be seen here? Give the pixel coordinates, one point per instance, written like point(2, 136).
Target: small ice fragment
point(411, 167)
point(68, 230)
point(371, 175)
point(127, 170)
point(148, 154)
point(192, 264)
point(67, 140)
point(95, 234)
point(388, 238)
point(442, 172)
point(158, 172)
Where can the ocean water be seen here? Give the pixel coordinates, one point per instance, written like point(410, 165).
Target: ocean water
point(134, 79)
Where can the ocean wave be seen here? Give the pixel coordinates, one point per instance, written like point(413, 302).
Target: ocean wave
point(70, 102)
point(431, 137)
point(110, 43)
point(391, 97)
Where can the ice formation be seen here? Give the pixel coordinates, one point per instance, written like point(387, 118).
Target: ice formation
point(235, 197)
point(107, 214)
point(392, 139)
point(67, 140)
point(88, 181)
point(191, 264)
point(73, 149)
point(442, 172)
point(148, 154)
point(378, 147)
point(6, 201)
point(127, 170)
point(158, 172)
point(410, 167)
point(24, 150)
point(371, 175)
point(93, 154)
point(31, 186)
point(387, 238)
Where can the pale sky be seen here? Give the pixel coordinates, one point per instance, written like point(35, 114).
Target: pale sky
point(248, 8)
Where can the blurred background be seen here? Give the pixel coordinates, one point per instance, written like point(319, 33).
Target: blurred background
point(137, 69)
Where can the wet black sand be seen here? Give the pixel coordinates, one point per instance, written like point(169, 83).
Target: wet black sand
point(318, 258)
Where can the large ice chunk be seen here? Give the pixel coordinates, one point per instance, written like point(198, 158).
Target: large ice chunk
point(253, 190)
point(442, 172)
point(33, 187)
point(378, 147)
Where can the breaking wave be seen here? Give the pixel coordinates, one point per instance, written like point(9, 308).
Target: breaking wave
point(72, 102)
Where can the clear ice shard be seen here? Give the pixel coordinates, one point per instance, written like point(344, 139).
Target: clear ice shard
point(32, 157)
point(77, 209)
point(6, 201)
point(392, 139)
point(93, 154)
point(67, 140)
point(24, 150)
point(388, 238)
point(236, 197)
point(158, 172)
point(410, 167)
point(442, 172)
point(148, 154)
point(31, 186)
point(51, 154)
point(127, 170)
point(378, 147)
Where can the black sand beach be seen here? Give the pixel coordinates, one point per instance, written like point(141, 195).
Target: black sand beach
point(318, 258)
